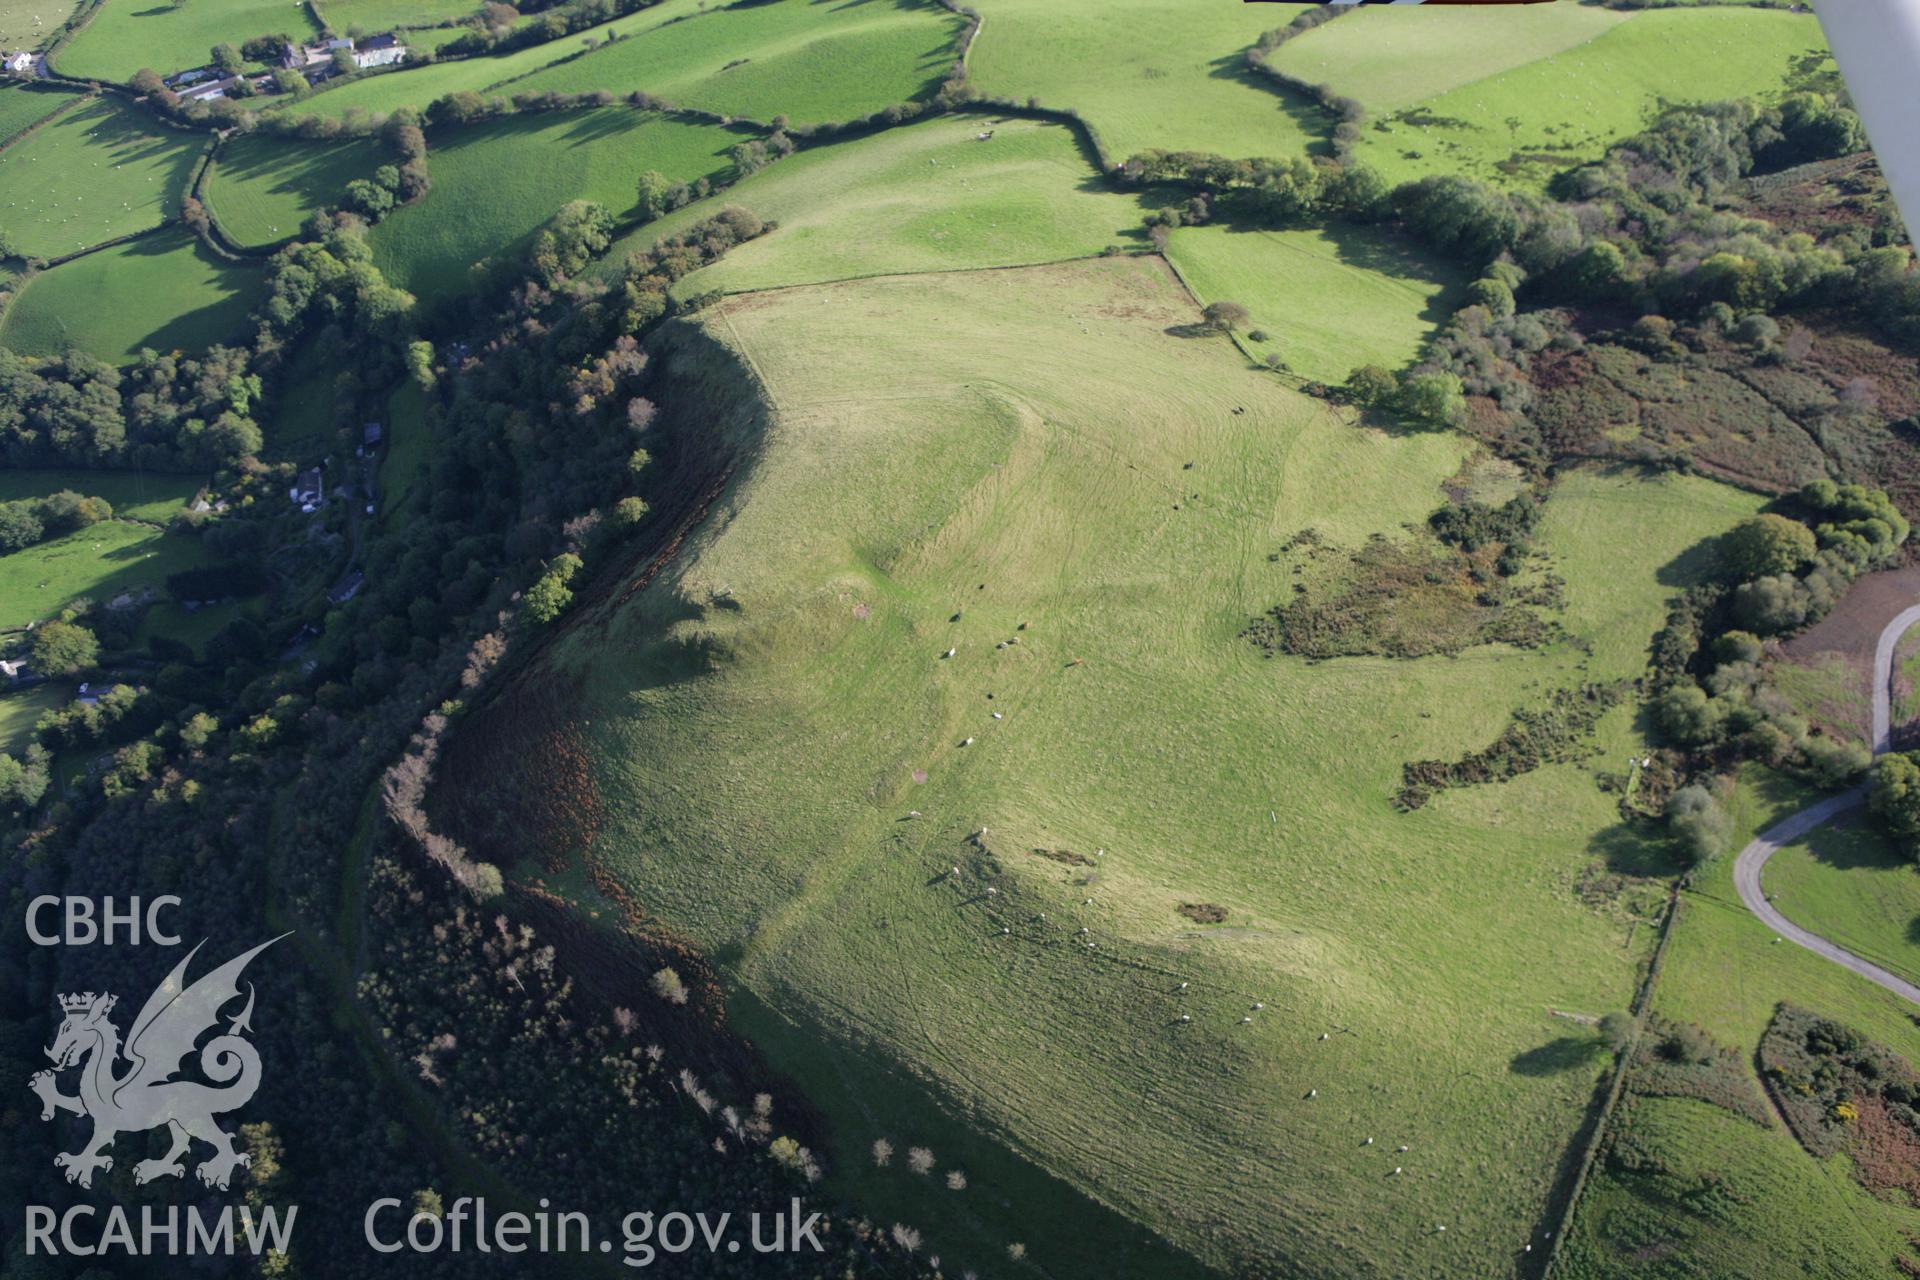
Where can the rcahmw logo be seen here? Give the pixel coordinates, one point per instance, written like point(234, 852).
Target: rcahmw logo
point(128, 1086)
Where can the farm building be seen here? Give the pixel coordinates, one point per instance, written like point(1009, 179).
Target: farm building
point(380, 51)
point(308, 489)
point(21, 63)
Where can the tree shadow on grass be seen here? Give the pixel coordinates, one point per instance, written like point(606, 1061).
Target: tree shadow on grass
point(1568, 1053)
point(1850, 842)
point(1638, 849)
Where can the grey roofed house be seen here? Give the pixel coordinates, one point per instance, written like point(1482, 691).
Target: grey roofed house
point(308, 487)
point(349, 587)
point(370, 434)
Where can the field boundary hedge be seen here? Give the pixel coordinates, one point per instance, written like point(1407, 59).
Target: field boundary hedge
point(1602, 1116)
point(47, 119)
point(128, 238)
point(76, 22)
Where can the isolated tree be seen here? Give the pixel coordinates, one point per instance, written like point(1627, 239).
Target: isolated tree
point(653, 194)
point(228, 59)
point(1895, 799)
point(64, 648)
point(1370, 385)
point(1695, 815)
point(548, 597)
point(1436, 399)
point(343, 63)
point(1225, 317)
point(1616, 1029)
point(265, 48)
point(1767, 544)
point(667, 985)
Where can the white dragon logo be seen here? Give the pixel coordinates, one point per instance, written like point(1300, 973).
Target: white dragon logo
point(145, 1096)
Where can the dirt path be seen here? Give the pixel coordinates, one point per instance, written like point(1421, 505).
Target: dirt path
point(1752, 861)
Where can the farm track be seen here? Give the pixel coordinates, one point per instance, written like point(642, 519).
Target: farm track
point(1752, 861)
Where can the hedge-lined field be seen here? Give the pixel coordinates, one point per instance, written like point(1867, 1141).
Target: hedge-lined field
point(98, 172)
point(161, 291)
point(27, 24)
point(1328, 299)
point(496, 183)
point(98, 562)
point(20, 106)
point(797, 58)
point(928, 197)
point(1393, 57)
point(418, 86)
point(126, 35)
point(262, 188)
point(1146, 73)
point(134, 495)
point(1520, 126)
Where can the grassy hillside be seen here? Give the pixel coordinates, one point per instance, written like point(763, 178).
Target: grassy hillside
point(26, 24)
point(496, 183)
point(1723, 1197)
point(1718, 1196)
point(1393, 57)
point(99, 562)
point(375, 16)
point(1521, 125)
point(1014, 447)
point(161, 291)
point(261, 188)
point(418, 86)
point(926, 197)
point(1146, 73)
point(1846, 882)
point(124, 37)
point(19, 709)
point(1328, 299)
point(20, 106)
point(96, 173)
point(798, 58)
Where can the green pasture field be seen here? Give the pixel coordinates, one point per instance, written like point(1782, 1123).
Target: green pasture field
point(1561, 110)
point(20, 106)
point(408, 446)
point(161, 291)
point(1779, 1213)
point(169, 620)
point(97, 172)
point(1329, 299)
point(126, 35)
point(1765, 1209)
point(304, 422)
point(419, 86)
point(1147, 74)
point(151, 496)
point(28, 24)
point(19, 709)
point(798, 58)
point(99, 562)
point(1847, 882)
point(1392, 57)
point(371, 17)
point(496, 183)
point(1830, 689)
point(262, 188)
point(1014, 446)
point(924, 197)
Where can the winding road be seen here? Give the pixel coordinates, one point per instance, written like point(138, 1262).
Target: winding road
point(1753, 859)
